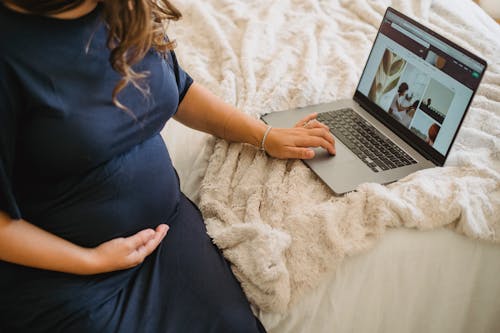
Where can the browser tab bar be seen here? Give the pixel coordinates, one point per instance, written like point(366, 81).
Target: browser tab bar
point(428, 38)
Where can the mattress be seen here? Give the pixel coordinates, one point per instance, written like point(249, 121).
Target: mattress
point(410, 281)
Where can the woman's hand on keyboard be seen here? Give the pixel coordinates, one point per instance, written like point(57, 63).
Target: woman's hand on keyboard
point(297, 142)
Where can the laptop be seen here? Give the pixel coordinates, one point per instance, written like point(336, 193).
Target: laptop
point(406, 111)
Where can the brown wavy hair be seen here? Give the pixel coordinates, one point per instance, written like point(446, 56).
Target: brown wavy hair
point(135, 26)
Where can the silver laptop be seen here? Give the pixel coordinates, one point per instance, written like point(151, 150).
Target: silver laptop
point(405, 114)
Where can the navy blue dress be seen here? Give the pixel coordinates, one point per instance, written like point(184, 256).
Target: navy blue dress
point(77, 166)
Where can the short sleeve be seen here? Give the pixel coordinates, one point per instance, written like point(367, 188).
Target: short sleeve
point(8, 133)
point(182, 78)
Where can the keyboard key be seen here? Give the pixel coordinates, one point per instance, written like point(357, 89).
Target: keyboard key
point(376, 150)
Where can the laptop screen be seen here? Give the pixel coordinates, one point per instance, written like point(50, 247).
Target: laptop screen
point(420, 81)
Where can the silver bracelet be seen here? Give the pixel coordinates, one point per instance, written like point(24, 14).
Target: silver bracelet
point(268, 129)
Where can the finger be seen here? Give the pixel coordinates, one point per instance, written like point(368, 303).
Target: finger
point(162, 228)
point(140, 238)
point(151, 244)
point(317, 141)
point(317, 124)
point(325, 134)
point(299, 153)
point(146, 249)
point(307, 118)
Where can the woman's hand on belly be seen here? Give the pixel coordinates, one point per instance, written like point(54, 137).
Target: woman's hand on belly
point(122, 253)
point(26, 244)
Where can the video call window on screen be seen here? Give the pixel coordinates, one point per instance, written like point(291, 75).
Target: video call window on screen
point(410, 96)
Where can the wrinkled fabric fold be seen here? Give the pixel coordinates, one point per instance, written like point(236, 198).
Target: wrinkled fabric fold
point(280, 227)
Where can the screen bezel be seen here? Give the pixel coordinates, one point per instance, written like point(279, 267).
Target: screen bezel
point(404, 133)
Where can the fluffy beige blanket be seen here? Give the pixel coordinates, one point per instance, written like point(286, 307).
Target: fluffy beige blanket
point(277, 224)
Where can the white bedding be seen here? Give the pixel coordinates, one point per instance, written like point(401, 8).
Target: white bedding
point(412, 281)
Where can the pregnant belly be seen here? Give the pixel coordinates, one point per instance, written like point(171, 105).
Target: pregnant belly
point(131, 192)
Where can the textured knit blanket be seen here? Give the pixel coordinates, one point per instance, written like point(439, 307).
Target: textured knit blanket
point(280, 227)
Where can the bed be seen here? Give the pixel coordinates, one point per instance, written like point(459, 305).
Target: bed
point(410, 280)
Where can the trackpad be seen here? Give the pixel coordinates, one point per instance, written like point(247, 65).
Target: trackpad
point(343, 154)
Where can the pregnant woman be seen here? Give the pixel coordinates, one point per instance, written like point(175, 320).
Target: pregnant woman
point(95, 234)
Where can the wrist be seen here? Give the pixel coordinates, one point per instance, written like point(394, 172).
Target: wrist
point(264, 138)
point(258, 133)
point(91, 262)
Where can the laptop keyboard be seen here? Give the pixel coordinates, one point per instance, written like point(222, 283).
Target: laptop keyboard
point(377, 151)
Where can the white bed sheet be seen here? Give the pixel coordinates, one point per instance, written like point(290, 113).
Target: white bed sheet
point(411, 281)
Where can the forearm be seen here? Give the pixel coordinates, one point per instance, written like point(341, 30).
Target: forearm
point(202, 110)
point(25, 244)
